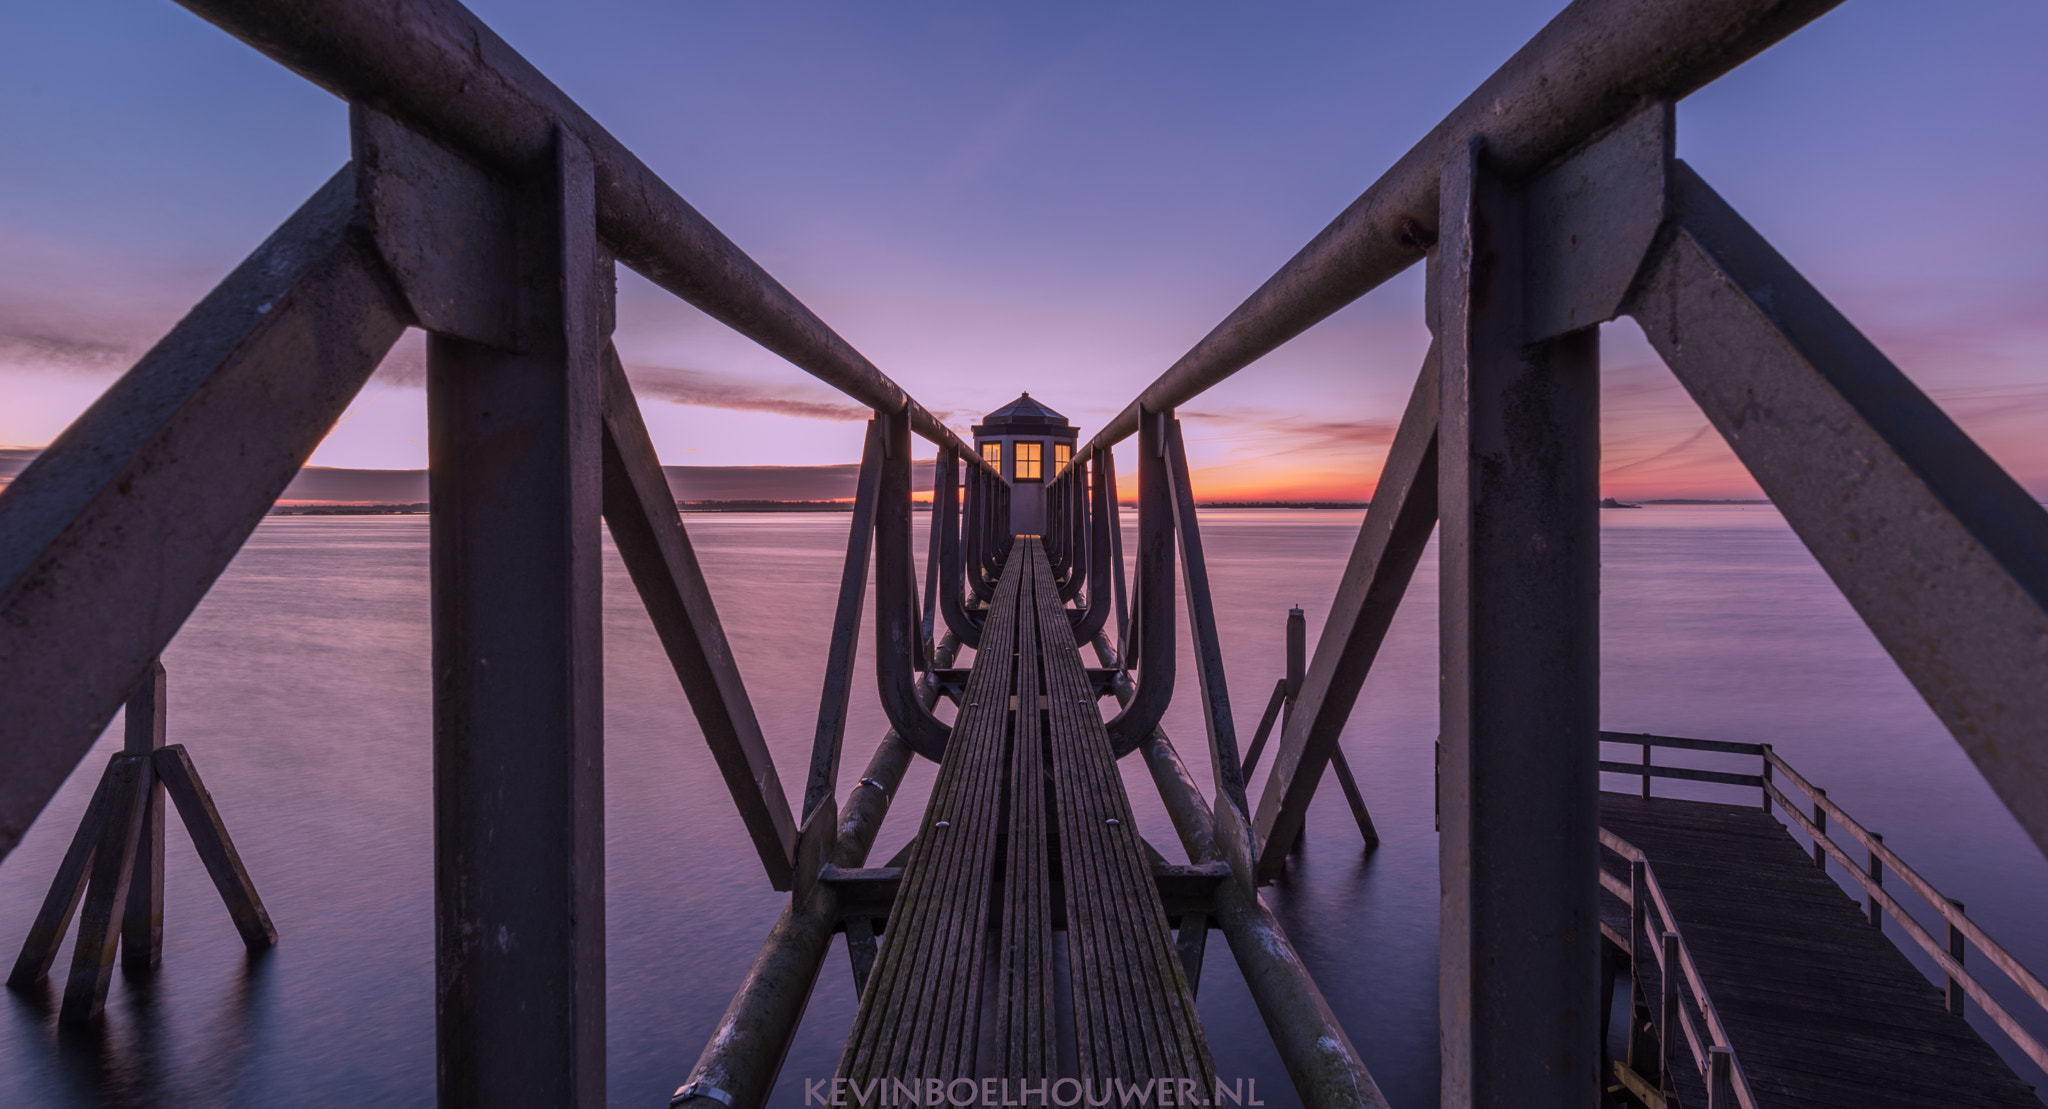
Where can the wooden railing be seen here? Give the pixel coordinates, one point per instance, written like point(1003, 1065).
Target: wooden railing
point(1949, 953)
point(1706, 1041)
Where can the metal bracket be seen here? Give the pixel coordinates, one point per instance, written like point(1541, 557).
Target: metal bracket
point(690, 1090)
point(443, 225)
point(1590, 221)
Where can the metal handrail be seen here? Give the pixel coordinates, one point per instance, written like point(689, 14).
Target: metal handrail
point(433, 65)
point(2019, 974)
point(1883, 861)
point(1717, 1034)
point(1591, 66)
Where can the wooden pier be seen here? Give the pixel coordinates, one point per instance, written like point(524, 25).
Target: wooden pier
point(1818, 1005)
point(1028, 830)
point(1028, 934)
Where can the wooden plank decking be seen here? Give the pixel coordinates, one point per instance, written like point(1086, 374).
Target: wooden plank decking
point(1821, 1008)
point(1028, 828)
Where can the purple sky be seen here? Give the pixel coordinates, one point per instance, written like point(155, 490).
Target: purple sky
point(990, 197)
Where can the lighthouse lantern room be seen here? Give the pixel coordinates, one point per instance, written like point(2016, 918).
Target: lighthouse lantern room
point(1028, 443)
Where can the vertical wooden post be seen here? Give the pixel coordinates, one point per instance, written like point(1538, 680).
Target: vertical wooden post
point(1820, 824)
point(1638, 938)
point(1720, 1078)
point(99, 921)
point(142, 925)
point(1646, 772)
point(1670, 1035)
point(1297, 662)
point(1873, 910)
point(1519, 852)
point(1765, 789)
point(1956, 950)
point(515, 467)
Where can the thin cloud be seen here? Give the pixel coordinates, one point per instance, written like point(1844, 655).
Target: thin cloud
point(50, 345)
point(1282, 434)
point(703, 389)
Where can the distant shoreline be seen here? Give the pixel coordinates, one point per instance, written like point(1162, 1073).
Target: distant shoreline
point(698, 507)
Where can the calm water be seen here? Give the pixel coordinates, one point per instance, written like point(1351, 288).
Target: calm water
point(301, 688)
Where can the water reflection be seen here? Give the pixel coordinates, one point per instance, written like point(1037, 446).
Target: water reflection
point(301, 687)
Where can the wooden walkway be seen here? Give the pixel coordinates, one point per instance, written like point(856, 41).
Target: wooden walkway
point(1028, 828)
point(1820, 1008)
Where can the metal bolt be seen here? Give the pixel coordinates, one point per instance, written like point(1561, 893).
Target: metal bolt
point(1115, 823)
point(942, 824)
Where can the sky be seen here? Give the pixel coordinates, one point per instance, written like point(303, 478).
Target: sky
point(989, 197)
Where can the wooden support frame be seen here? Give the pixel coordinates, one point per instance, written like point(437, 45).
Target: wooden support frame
point(641, 514)
point(105, 864)
point(1875, 479)
point(516, 468)
point(131, 514)
point(142, 921)
point(1389, 546)
point(99, 918)
point(745, 1052)
point(67, 888)
point(1233, 821)
point(173, 766)
point(1519, 788)
point(853, 577)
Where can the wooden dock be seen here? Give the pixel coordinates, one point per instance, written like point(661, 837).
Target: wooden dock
point(1028, 815)
point(1820, 1008)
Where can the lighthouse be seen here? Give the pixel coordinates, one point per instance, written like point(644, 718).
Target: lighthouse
point(1027, 443)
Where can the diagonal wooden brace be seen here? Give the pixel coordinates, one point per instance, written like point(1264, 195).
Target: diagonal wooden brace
point(39, 950)
point(125, 521)
point(1390, 543)
point(1939, 550)
point(1233, 822)
point(641, 512)
point(99, 920)
point(210, 837)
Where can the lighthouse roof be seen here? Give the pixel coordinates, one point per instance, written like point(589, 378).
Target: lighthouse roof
point(1024, 416)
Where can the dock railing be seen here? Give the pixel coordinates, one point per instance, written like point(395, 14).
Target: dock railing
point(1652, 922)
point(1828, 822)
